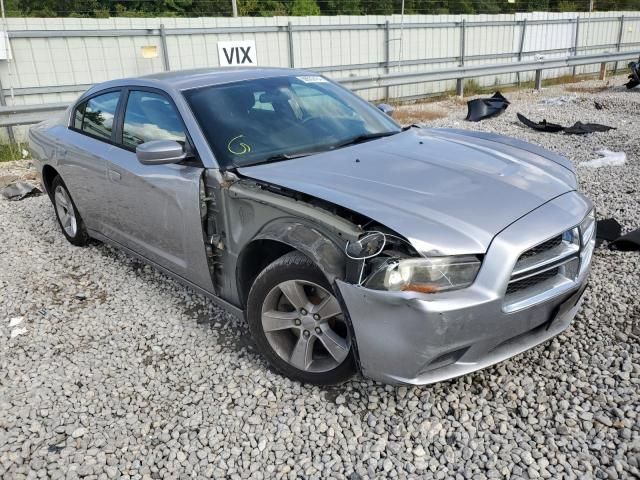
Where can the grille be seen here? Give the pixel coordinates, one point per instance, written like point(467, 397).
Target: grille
point(543, 247)
point(532, 280)
point(543, 270)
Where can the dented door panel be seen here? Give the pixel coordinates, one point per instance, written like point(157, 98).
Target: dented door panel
point(154, 210)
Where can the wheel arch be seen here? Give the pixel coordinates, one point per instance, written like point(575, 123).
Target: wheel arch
point(48, 174)
point(281, 237)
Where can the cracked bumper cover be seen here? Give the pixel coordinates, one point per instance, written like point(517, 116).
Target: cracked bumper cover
point(413, 338)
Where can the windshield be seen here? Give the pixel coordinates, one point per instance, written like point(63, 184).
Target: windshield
point(269, 119)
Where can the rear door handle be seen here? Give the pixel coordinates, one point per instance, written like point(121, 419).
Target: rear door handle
point(114, 176)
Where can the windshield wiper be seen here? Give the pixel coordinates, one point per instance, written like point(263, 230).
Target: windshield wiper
point(363, 138)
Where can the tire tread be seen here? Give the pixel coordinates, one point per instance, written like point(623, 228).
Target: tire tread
point(82, 236)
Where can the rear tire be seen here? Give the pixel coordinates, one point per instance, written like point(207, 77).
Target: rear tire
point(303, 333)
point(67, 214)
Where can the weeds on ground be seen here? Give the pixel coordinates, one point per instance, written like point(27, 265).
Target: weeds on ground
point(406, 116)
point(14, 151)
point(472, 87)
point(578, 89)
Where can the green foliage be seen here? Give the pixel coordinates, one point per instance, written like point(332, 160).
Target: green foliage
point(10, 152)
point(302, 8)
point(472, 87)
point(266, 8)
point(381, 7)
point(566, 6)
point(261, 8)
point(342, 7)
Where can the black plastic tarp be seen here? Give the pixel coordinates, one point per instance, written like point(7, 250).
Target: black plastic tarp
point(542, 126)
point(482, 108)
point(577, 128)
point(634, 76)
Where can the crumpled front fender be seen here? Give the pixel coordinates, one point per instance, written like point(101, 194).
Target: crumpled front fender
point(307, 239)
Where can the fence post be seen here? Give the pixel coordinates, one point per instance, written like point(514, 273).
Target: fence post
point(460, 81)
point(603, 71)
point(387, 59)
point(462, 41)
point(575, 42)
point(3, 102)
point(290, 43)
point(522, 37)
point(538, 84)
point(165, 52)
point(620, 32)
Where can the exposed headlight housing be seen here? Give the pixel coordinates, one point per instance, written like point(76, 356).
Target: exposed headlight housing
point(588, 238)
point(425, 275)
point(588, 227)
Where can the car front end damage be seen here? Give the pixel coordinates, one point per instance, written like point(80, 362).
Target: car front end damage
point(472, 247)
point(528, 289)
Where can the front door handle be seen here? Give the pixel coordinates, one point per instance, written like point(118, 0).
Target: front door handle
point(114, 176)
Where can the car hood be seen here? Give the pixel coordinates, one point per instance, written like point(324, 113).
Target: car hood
point(447, 191)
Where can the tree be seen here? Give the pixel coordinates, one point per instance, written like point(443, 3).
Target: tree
point(382, 7)
point(487, 6)
point(342, 7)
point(566, 6)
point(267, 8)
point(261, 8)
point(302, 8)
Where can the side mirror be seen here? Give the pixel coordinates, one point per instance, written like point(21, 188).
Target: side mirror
point(160, 152)
point(386, 108)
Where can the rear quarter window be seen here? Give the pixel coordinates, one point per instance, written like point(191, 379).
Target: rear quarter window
point(77, 119)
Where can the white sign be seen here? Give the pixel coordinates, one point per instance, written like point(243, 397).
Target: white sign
point(312, 79)
point(237, 54)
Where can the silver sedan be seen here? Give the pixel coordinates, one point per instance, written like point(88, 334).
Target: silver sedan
point(348, 244)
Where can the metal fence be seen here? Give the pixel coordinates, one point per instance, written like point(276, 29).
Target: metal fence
point(53, 60)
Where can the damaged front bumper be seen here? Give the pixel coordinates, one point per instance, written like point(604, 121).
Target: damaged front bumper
point(414, 338)
point(417, 341)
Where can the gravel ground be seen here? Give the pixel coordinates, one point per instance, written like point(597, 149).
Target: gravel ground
point(119, 372)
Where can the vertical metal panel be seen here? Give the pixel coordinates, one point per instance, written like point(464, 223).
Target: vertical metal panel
point(290, 44)
point(576, 41)
point(619, 40)
point(165, 53)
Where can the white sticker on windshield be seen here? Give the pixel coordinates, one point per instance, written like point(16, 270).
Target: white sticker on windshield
point(312, 79)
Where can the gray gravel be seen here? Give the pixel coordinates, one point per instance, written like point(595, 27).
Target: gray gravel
point(121, 373)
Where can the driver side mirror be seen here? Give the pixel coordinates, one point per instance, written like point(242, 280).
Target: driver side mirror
point(386, 108)
point(160, 152)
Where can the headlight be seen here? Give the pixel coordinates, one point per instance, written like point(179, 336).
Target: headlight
point(588, 227)
point(425, 275)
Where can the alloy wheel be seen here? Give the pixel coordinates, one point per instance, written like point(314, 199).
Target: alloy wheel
point(65, 210)
point(305, 326)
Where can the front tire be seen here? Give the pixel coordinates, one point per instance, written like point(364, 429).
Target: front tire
point(297, 322)
point(68, 216)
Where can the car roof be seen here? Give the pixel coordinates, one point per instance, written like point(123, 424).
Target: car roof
point(202, 77)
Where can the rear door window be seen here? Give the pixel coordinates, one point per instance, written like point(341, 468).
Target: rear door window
point(95, 116)
point(150, 116)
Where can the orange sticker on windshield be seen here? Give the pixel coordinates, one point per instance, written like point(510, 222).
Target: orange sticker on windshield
point(238, 147)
